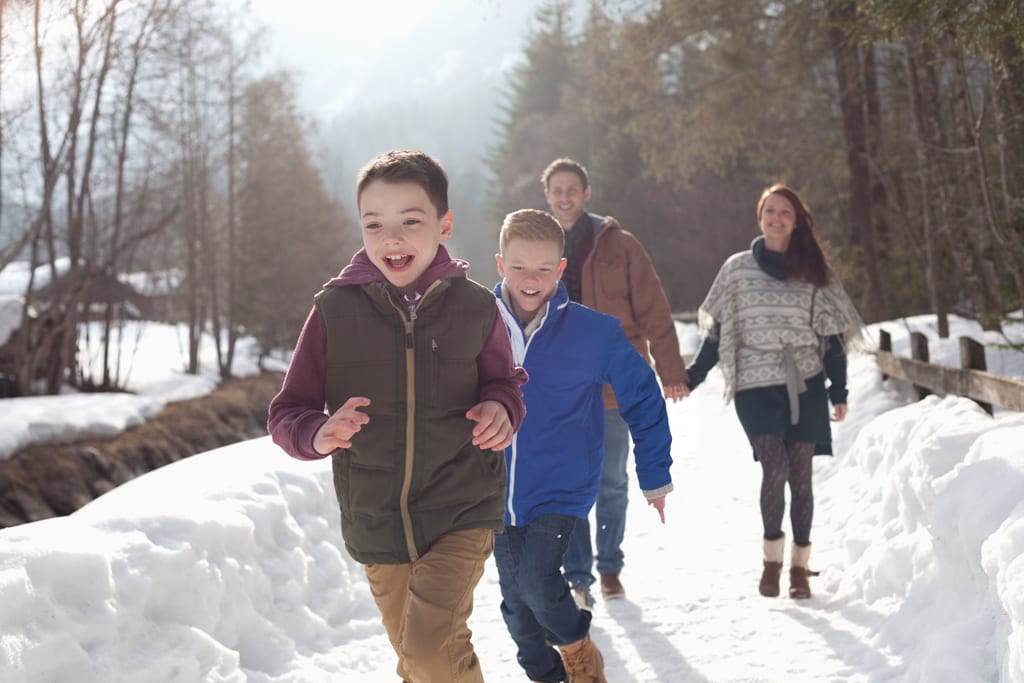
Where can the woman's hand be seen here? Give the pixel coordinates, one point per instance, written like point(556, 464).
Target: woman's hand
point(676, 391)
point(839, 414)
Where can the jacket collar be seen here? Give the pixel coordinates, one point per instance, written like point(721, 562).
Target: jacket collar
point(361, 271)
point(558, 302)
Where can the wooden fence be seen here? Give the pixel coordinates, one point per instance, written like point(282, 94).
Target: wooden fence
point(970, 380)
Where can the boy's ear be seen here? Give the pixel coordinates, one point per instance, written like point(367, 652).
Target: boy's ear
point(446, 226)
point(501, 264)
point(561, 267)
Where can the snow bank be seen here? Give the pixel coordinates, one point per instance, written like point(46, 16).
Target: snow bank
point(231, 557)
point(935, 537)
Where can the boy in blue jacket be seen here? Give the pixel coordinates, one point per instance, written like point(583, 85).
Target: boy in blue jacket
point(554, 461)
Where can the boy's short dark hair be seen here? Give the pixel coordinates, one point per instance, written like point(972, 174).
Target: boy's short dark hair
point(565, 164)
point(408, 166)
point(532, 225)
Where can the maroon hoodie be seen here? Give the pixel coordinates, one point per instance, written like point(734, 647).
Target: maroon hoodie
point(297, 412)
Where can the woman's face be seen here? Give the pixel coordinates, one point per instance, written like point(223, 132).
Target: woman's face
point(778, 219)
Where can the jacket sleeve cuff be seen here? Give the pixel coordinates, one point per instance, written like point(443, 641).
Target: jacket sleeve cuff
point(304, 444)
point(658, 492)
point(837, 395)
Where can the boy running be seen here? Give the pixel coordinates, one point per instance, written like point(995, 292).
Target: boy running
point(554, 461)
point(414, 366)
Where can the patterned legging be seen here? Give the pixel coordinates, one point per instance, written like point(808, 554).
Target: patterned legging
point(783, 461)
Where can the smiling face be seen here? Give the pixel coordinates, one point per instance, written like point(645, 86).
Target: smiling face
point(401, 230)
point(567, 197)
point(531, 270)
point(777, 220)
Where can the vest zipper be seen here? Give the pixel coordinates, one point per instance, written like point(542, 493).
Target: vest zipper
point(410, 436)
point(408, 319)
point(409, 316)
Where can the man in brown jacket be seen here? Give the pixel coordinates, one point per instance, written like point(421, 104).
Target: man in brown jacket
point(610, 271)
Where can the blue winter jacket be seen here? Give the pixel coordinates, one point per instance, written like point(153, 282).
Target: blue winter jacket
point(554, 462)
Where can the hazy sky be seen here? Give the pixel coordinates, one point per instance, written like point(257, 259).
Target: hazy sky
point(389, 74)
point(357, 53)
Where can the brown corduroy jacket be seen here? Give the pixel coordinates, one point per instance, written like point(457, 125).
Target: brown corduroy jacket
point(619, 279)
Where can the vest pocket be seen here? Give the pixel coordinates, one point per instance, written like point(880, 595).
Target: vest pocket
point(453, 380)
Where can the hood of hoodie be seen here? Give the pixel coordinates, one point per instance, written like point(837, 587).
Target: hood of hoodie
point(361, 270)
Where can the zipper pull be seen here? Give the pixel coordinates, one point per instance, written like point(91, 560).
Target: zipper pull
point(433, 344)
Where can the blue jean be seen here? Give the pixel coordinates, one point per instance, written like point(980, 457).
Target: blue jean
point(537, 605)
point(610, 510)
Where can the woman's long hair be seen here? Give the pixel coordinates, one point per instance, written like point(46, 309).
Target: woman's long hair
point(804, 258)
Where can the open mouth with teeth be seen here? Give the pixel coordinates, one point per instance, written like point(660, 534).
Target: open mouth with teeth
point(398, 261)
point(529, 294)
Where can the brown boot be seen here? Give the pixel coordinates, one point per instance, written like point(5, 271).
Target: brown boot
point(583, 661)
point(769, 586)
point(799, 587)
point(611, 587)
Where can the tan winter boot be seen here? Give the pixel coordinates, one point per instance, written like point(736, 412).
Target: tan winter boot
point(773, 550)
point(798, 586)
point(583, 661)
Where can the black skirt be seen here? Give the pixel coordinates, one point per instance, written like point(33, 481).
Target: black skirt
point(765, 410)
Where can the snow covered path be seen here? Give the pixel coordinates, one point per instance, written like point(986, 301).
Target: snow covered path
point(693, 613)
point(227, 567)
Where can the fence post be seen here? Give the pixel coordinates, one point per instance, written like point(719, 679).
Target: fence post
point(919, 351)
point(972, 357)
point(884, 344)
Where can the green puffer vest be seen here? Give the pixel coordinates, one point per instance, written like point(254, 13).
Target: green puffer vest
point(412, 473)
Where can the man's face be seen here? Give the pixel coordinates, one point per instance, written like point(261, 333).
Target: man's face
point(566, 197)
point(401, 230)
point(531, 270)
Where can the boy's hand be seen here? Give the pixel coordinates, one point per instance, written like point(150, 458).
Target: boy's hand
point(659, 505)
point(676, 391)
point(493, 429)
point(338, 430)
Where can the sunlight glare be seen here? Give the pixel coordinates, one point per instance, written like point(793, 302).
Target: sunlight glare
point(354, 20)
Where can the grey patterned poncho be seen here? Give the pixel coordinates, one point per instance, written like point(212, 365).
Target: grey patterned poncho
point(769, 330)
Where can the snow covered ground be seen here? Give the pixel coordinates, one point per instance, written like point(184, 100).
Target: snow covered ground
point(228, 566)
point(152, 364)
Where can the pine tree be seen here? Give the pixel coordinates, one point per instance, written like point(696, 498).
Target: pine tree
point(529, 134)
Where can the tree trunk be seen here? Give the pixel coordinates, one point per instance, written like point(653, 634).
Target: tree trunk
point(921, 134)
point(37, 346)
point(231, 305)
point(976, 230)
point(1007, 75)
point(846, 56)
point(880, 211)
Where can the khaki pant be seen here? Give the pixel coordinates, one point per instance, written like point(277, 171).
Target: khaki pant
point(425, 607)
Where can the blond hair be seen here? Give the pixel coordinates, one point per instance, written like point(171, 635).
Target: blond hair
point(532, 225)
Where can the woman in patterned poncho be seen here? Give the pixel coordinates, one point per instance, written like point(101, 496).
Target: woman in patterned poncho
point(778, 323)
